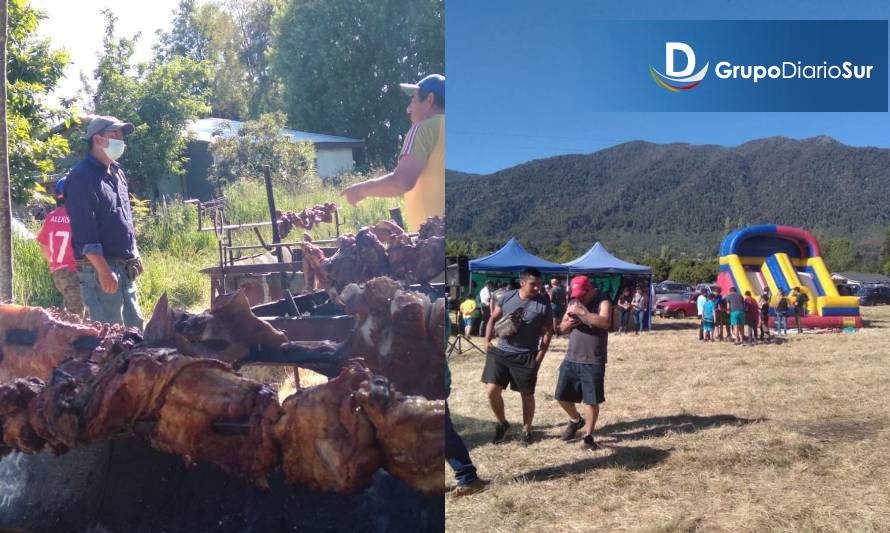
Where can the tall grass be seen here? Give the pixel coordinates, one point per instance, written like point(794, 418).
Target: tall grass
point(179, 277)
point(32, 283)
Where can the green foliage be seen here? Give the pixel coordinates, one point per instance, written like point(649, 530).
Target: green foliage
point(340, 63)
point(159, 99)
point(33, 71)
point(661, 267)
point(692, 271)
point(233, 37)
point(840, 255)
point(884, 257)
point(179, 277)
point(260, 143)
point(32, 283)
point(173, 228)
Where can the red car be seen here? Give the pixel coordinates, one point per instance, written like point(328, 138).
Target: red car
point(678, 308)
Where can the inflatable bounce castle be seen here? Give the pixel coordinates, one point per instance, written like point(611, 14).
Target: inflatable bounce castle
point(781, 257)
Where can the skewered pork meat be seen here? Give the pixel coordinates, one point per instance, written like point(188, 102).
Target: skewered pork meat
point(305, 219)
point(384, 249)
point(331, 437)
point(395, 336)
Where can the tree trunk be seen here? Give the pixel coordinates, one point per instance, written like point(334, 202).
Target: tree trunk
point(5, 205)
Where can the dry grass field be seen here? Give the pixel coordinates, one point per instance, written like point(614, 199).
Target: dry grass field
point(792, 436)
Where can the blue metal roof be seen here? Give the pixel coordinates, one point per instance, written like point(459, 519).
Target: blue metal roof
point(204, 128)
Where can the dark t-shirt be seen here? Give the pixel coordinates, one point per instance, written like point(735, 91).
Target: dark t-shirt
point(588, 345)
point(536, 314)
point(782, 306)
point(558, 296)
point(801, 302)
point(735, 301)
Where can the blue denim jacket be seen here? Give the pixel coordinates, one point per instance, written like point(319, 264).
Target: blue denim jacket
point(98, 205)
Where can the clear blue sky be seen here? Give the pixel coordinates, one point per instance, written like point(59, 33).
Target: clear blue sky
point(514, 93)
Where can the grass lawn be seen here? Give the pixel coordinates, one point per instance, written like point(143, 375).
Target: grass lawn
point(790, 436)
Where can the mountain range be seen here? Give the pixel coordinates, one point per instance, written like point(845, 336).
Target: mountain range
point(639, 196)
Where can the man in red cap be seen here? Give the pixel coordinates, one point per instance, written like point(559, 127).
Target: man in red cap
point(581, 374)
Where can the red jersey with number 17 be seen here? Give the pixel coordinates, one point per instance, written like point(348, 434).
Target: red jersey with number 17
point(56, 235)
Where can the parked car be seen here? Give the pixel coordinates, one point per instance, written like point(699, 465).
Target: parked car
point(706, 288)
point(668, 286)
point(678, 308)
point(873, 295)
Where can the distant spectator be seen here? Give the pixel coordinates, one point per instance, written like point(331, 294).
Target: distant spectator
point(467, 310)
point(624, 310)
point(699, 305)
point(736, 305)
point(55, 242)
point(485, 304)
point(752, 310)
point(764, 314)
point(709, 307)
point(721, 315)
point(800, 300)
point(640, 305)
point(557, 301)
point(782, 314)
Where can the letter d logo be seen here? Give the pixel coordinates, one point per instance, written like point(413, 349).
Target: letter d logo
point(669, 51)
point(676, 81)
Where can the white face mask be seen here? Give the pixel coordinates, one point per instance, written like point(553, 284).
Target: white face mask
point(115, 149)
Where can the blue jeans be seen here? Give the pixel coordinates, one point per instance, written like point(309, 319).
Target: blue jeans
point(638, 318)
point(781, 322)
point(456, 453)
point(118, 308)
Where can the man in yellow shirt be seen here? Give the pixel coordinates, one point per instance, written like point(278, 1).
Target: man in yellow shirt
point(467, 310)
point(420, 172)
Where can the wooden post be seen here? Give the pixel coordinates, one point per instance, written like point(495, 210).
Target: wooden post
point(276, 237)
point(5, 200)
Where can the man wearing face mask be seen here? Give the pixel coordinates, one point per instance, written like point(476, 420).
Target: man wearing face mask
point(420, 172)
point(102, 234)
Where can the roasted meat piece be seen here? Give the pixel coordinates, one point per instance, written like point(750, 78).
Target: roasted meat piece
point(34, 340)
point(16, 432)
point(327, 442)
point(226, 332)
point(411, 433)
point(305, 219)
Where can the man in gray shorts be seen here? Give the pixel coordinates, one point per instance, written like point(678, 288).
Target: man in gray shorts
point(515, 360)
point(582, 373)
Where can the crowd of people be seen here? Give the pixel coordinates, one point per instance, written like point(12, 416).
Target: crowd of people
point(744, 319)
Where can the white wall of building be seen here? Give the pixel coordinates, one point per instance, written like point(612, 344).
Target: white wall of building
point(333, 161)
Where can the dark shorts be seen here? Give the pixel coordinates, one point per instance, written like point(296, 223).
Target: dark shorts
point(517, 370)
point(721, 318)
point(558, 311)
point(579, 382)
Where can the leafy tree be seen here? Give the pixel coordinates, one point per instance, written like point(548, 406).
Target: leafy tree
point(564, 252)
point(340, 63)
point(159, 99)
point(884, 257)
point(660, 266)
point(253, 22)
point(840, 255)
point(33, 70)
point(260, 143)
point(207, 34)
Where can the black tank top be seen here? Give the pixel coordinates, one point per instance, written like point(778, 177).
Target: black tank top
point(587, 344)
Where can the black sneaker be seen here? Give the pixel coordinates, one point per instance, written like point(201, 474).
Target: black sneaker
point(525, 438)
point(572, 428)
point(588, 443)
point(500, 431)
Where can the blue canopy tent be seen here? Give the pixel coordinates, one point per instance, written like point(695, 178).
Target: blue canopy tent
point(598, 260)
point(512, 257)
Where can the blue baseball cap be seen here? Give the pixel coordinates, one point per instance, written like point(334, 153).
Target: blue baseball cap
point(60, 188)
point(434, 83)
